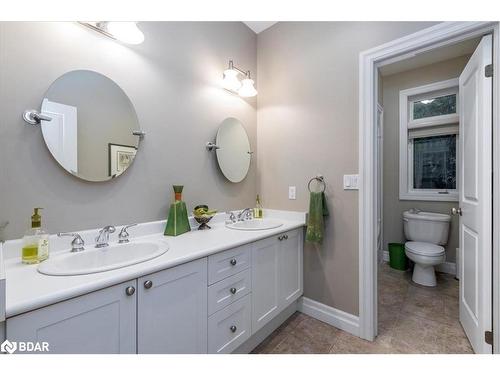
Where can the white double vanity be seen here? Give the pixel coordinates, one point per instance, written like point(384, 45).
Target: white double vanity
point(214, 291)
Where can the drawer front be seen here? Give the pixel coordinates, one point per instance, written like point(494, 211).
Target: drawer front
point(228, 263)
point(230, 327)
point(225, 292)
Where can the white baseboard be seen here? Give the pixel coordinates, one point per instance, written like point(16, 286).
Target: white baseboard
point(337, 318)
point(447, 267)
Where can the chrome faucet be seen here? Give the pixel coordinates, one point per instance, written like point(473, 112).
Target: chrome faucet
point(245, 214)
point(77, 244)
point(103, 237)
point(124, 235)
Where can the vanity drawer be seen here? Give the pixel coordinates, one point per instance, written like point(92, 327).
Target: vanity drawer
point(227, 291)
point(228, 263)
point(230, 327)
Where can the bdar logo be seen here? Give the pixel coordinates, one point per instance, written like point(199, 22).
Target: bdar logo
point(24, 346)
point(8, 347)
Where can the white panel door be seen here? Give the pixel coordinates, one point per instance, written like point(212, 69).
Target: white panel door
point(61, 134)
point(265, 285)
point(475, 201)
point(101, 322)
point(290, 267)
point(172, 310)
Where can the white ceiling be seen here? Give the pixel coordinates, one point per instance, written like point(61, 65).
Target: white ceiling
point(258, 26)
point(466, 47)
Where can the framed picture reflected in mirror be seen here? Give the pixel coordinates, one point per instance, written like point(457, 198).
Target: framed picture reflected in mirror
point(120, 158)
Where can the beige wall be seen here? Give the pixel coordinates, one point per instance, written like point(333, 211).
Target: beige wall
point(393, 207)
point(308, 124)
point(173, 80)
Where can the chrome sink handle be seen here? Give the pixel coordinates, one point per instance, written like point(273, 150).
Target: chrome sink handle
point(245, 214)
point(77, 244)
point(232, 217)
point(103, 237)
point(124, 235)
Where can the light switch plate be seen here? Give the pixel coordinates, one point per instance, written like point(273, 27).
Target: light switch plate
point(351, 182)
point(292, 192)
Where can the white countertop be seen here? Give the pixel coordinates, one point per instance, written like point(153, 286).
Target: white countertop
point(27, 289)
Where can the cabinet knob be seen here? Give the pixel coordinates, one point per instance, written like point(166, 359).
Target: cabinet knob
point(129, 291)
point(233, 290)
point(280, 238)
point(233, 262)
point(233, 329)
point(285, 236)
point(148, 284)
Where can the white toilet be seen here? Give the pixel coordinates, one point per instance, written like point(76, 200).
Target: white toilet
point(425, 232)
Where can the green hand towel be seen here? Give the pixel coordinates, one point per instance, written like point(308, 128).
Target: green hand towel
point(317, 212)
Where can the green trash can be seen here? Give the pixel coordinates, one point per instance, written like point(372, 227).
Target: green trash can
point(397, 256)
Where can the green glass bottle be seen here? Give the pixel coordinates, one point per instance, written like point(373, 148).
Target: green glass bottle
point(177, 222)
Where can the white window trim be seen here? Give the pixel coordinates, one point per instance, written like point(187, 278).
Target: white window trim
point(406, 123)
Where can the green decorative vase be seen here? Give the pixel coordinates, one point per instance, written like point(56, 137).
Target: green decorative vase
point(177, 222)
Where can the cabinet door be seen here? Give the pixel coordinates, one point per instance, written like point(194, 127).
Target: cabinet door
point(230, 327)
point(265, 288)
point(101, 322)
point(227, 263)
point(290, 267)
point(172, 310)
point(226, 291)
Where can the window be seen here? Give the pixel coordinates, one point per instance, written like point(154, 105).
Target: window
point(429, 142)
point(442, 105)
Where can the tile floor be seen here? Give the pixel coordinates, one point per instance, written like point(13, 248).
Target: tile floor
point(412, 319)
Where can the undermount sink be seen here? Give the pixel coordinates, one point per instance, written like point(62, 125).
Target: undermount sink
point(94, 260)
point(255, 224)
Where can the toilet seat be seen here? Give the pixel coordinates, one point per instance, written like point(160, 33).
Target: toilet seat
point(424, 248)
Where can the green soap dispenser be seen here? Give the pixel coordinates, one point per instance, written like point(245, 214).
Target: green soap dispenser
point(178, 222)
point(35, 241)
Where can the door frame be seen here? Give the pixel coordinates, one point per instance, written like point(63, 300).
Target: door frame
point(440, 35)
point(380, 181)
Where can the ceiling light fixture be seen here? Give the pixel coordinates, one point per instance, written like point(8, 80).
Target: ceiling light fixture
point(247, 90)
point(126, 32)
point(244, 88)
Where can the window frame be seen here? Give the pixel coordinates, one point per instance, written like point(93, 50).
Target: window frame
point(407, 123)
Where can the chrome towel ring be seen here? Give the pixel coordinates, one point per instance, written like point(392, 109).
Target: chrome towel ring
point(320, 180)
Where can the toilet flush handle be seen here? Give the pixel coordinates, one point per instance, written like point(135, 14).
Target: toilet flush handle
point(456, 211)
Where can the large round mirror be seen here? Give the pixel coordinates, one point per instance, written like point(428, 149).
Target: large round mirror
point(233, 152)
point(93, 132)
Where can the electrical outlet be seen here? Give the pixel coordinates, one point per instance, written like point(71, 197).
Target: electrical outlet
point(292, 192)
point(351, 182)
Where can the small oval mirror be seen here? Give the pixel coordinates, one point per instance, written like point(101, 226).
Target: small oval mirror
point(233, 153)
point(91, 134)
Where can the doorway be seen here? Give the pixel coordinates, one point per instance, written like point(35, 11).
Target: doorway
point(472, 300)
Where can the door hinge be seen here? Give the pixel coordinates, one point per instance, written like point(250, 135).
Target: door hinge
point(488, 337)
point(488, 70)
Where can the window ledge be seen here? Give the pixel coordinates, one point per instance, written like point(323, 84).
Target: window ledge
point(451, 197)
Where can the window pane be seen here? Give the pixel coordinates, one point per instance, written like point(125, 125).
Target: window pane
point(434, 162)
point(442, 105)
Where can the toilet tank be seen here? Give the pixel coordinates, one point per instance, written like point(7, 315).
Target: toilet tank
point(424, 226)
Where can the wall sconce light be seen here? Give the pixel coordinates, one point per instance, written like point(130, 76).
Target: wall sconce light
point(126, 32)
point(231, 82)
